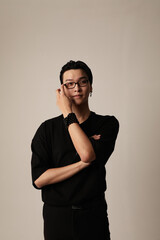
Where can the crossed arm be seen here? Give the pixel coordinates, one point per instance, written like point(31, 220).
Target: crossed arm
point(81, 143)
point(54, 175)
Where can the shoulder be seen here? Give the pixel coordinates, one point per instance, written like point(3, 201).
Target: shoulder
point(47, 125)
point(107, 125)
point(53, 121)
point(105, 119)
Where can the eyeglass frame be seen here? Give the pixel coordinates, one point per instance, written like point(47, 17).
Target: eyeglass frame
point(77, 84)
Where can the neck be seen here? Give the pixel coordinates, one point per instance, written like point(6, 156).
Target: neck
point(82, 112)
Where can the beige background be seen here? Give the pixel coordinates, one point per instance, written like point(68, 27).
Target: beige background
point(119, 40)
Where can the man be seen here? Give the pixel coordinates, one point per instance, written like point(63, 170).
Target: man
point(69, 153)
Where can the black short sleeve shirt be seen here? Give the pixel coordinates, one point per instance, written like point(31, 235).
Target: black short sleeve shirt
point(52, 147)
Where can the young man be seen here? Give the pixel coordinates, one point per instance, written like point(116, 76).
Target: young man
point(69, 153)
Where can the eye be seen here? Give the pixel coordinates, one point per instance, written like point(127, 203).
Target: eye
point(83, 82)
point(70, 84)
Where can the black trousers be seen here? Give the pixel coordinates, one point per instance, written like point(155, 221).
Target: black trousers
point(76, 222)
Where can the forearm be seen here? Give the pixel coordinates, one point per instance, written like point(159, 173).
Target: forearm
point(55, 175)
point(81, 143)
point(80, 140)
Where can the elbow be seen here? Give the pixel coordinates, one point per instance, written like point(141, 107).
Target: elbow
point(37, 184)
point(88, 157)
point(40, 181)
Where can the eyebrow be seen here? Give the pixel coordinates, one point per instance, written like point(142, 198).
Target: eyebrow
point(78, 79)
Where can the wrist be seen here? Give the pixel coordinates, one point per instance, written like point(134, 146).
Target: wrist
point(69, 119)
point(66, 112)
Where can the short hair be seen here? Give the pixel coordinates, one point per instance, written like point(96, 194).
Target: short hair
point(76, 65)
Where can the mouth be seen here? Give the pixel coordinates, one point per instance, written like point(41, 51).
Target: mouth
point(77, 96)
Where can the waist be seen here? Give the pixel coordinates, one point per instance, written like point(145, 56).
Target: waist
point(95, 202)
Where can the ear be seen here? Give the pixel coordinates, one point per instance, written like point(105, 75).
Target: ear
point(91, 88)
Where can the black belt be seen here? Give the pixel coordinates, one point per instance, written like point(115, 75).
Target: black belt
point(93, 203)
point(98, 201)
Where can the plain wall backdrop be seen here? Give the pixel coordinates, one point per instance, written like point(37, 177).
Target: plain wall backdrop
point(120, 41)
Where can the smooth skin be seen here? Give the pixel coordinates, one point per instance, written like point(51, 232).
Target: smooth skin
point(72, 100)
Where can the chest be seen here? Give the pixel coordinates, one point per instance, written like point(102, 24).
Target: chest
point(62, 150)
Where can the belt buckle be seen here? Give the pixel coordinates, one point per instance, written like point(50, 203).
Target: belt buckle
point(75, 207)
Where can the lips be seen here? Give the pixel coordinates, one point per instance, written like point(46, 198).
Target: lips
point(77, 96)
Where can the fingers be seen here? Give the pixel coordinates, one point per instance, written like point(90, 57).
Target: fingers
point(57, 94)
point(58, 91)
point(96, 137)
point(62, 89)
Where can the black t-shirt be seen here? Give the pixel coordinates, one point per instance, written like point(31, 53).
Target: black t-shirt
point(52, 147)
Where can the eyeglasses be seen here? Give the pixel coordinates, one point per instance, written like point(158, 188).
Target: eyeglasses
point(81, 83)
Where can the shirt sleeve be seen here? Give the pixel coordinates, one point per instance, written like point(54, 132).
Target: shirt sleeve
point(105, 145)
point(40, 154)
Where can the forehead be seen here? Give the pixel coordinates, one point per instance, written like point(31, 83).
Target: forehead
point(74, 74)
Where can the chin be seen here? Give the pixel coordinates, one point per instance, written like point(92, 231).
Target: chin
point(79, 102)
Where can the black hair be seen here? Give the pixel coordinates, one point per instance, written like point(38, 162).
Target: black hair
point(76, 65)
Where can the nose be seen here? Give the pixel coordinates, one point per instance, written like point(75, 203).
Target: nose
point(77, 87)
